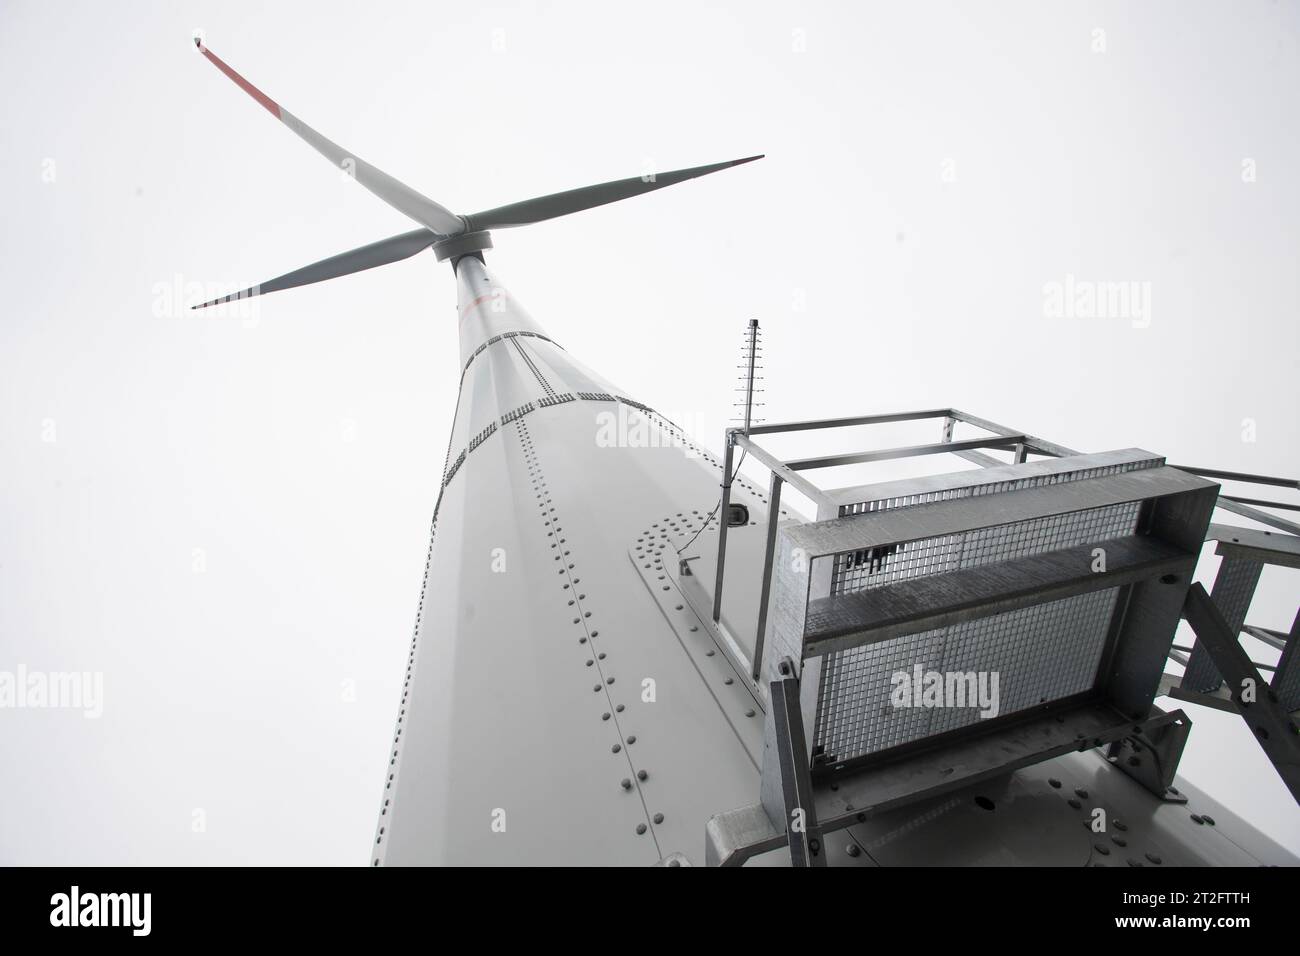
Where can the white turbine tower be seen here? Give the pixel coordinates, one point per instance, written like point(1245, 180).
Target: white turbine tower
point(534, 632)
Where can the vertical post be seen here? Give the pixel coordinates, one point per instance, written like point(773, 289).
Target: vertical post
point(722, 526)
point(798, 803)
point(769, 554)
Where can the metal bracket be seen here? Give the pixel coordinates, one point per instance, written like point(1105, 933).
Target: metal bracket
point(1151, 755)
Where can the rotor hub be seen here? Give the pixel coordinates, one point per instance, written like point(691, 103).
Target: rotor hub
point(468, 243)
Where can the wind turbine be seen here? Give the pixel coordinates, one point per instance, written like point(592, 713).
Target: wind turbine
point(451, 236)
point(575, 693)
point(534, 634)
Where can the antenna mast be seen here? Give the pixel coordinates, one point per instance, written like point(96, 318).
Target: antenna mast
point(749, 355)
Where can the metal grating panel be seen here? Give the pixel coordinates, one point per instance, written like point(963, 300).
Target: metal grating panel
point(858, 570)
point(1234, 588)
point(1040, 654)
point(994, 487)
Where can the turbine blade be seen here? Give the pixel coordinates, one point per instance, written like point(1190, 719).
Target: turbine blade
point(586, 197)
point(397, 194)
point(379, 253)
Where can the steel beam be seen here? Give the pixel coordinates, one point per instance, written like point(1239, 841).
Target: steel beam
point(774, 464)
point(722, 527)
point(1274, 639)
point(1254, 514)
point(1272, 726)
point(1241, 476)
point(773, 514)
point(907, 451)
point(1260, 503)
point(1047, 447)
point(850, 422)
point(802, 831)
point(979, 458)
point(1264, 546)
point(732, 837)
point(1234, 588)
point(1286, 679)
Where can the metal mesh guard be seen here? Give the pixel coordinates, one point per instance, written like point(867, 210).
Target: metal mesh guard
point(1040, 654)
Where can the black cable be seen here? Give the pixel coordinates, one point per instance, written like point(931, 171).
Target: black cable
point(743, 452)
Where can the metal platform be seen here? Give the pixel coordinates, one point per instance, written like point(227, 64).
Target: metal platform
point(1067, 576)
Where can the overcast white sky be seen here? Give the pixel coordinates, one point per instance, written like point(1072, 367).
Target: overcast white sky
point(228, 519)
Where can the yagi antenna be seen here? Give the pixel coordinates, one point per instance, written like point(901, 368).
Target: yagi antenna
point(750, 365)
point(737, 514)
